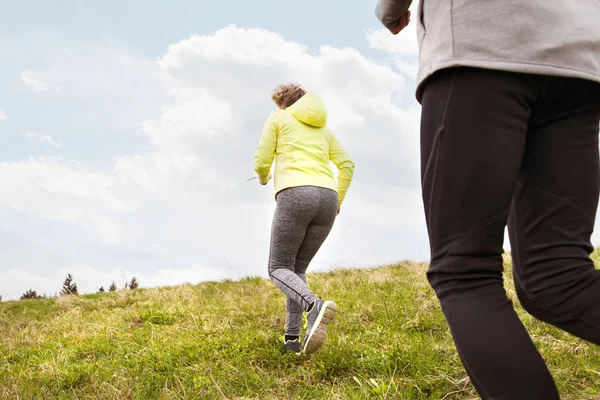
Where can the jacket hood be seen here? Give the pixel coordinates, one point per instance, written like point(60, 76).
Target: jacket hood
point(310, 110)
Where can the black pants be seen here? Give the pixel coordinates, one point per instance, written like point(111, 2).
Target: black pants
point(500, 148)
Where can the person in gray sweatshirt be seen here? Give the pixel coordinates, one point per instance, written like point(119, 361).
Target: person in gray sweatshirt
point(510, 95)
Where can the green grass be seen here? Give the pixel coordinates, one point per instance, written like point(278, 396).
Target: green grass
point(221, 340)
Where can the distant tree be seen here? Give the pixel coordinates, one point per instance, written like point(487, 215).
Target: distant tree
point(0, 297)
point(134, 283)
point(69, 287)
point(112, 287)
point(101, 290)
point(30, 294)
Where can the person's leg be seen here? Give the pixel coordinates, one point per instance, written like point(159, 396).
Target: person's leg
point(296, 208)
point(316, 233)
point(473, 131)
point(554, 210)
point(294, 314)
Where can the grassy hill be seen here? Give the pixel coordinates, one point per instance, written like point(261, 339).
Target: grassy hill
point(221, 340)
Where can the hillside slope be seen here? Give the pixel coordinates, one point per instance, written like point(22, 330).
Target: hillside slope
point(221, 340)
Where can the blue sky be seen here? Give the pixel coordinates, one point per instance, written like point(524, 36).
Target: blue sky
point(127, 131)
point(148, 27)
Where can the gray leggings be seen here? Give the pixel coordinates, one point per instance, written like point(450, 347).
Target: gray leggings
point(303, 218)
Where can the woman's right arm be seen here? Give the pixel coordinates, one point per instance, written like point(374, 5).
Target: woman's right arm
point(265, 152)
point(344, 164)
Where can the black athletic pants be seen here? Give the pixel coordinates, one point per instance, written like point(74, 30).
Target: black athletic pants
point(502, 148)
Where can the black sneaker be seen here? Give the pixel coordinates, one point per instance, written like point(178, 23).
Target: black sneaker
point(321, 315)
point(293, 345)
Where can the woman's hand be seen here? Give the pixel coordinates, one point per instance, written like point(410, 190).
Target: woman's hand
point(402, 23)
point(265, 181)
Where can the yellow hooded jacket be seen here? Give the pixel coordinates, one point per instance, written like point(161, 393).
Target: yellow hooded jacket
point(302, 146)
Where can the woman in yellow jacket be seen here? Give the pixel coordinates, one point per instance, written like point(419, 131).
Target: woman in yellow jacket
point(308, 200)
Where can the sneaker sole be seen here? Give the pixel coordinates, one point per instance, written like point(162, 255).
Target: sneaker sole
point(319, 330)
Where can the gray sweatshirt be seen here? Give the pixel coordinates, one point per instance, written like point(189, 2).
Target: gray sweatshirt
point(547, 37)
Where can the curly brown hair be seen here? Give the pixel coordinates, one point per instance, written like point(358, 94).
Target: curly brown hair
point(286, 95)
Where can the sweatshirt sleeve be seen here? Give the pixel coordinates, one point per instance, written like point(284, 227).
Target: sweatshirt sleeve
point(265, 152)
point(345, 165)
point(389, 11)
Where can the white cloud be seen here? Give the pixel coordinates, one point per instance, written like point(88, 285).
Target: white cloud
point(406, 210)
point(405, 67)
point(226, 79)
point(181, 199)
point(30, 135)
point(403, 48)
point(107, 228)
point(3, 116)
point(47, 139)
point(194, 113)
point(54, 188)
point(177, 208)
point(252, 47)
point(405, 43)
point(204, 139)
point(30, 79)
point(43, 139)
point(341, 115)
